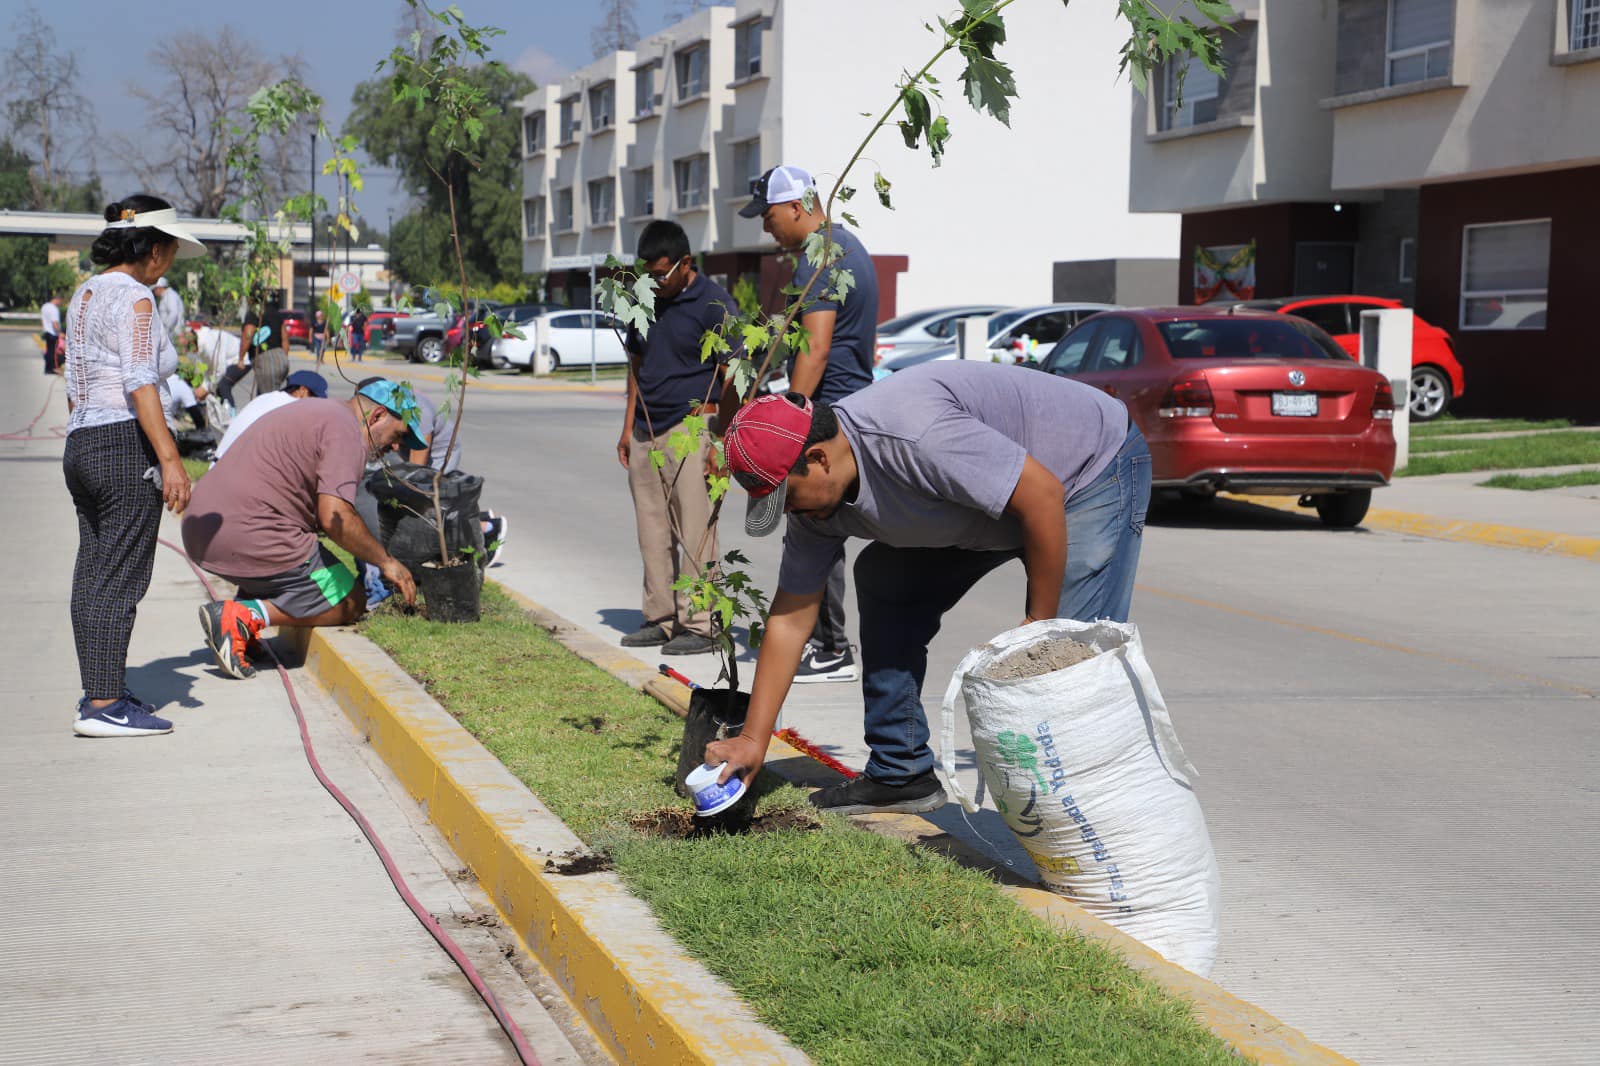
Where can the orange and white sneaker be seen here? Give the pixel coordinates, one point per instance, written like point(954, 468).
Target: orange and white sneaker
point(230, 627)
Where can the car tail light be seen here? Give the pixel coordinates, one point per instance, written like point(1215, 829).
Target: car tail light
point(1383, 402)
point(1189, 397)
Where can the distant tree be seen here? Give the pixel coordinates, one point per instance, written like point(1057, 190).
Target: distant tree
point(26, 275)
point(678, 10)
point(46, 116)
point(617, 30)
point(394, 133)
point(194, 113)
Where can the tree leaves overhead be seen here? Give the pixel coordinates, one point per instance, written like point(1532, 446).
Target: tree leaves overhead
point(1156, 36)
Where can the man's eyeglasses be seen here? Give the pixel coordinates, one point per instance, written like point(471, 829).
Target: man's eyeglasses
point(660, 278)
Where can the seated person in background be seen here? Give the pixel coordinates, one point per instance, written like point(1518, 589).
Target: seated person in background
point(185, 400)
point(300, 385)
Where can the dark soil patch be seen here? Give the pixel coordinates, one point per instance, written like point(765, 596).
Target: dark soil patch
point(462, 875)
point(1045, 657)
point(573, 863)
point(485, 921)
point(676, 823)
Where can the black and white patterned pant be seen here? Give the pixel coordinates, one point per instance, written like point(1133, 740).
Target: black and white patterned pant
point(119, 513)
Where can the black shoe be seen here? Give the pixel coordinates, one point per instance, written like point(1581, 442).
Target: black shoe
point(688, 644)
point(494, 538)
point(818, 664)
point(647, 636)
point(863, 795)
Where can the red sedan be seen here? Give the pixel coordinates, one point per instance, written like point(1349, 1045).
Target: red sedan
point(1436, 375)
point(1242, 401)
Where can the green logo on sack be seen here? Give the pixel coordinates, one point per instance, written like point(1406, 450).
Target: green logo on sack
point(1021, 752)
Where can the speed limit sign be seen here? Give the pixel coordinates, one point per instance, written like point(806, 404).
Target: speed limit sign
point(349, 281)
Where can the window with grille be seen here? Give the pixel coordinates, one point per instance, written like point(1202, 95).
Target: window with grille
point(1420, 37)
point(571, 120)
point(563, 218)
point(1505, 275)
point(747, 49)
point(602, 105)
point(644, 192)
point(533, 133)
point(691, 65)
point(691, 179)
point(746, 164)
point(533, 218)
point(602, 202)
point(645, 97)
point(1585, 25)
point(1200, 89)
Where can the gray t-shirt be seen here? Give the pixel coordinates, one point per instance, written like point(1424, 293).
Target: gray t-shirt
point(939, 449)
point(436, 425)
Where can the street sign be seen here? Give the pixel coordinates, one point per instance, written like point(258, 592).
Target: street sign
point(577, 262)
point(349, 281)
point(335, 293)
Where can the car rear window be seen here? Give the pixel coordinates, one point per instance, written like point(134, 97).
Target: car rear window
point(1247, 338)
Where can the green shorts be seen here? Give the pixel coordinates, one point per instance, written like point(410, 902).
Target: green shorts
point(320, 582)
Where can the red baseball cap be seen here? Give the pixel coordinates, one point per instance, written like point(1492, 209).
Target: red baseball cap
point(762, 444)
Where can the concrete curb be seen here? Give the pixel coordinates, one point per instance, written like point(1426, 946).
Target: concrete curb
point(645, 998)
point(1246, 1027)
point(1490, 533)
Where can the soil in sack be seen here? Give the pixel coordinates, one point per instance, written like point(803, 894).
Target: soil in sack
point(1045, 657)
point(450, 593)
point(714, 714)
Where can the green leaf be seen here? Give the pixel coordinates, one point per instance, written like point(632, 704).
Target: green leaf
point(658, 458)
point(846, 192)
point(851, 219)
point(938, 137)
point(756, 337)
point(990, 86)
point(843, 282)
point(882, 186)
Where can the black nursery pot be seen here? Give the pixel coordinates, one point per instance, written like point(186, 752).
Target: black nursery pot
point(450, 593)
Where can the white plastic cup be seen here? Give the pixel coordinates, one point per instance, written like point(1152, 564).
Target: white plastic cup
point(709, 797)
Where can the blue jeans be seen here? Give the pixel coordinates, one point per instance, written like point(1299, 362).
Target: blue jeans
point(902, 595)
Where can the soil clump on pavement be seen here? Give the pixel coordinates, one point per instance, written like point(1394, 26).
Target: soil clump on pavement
point(1045, 657)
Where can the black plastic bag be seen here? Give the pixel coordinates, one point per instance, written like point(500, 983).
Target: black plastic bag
point(404, 492)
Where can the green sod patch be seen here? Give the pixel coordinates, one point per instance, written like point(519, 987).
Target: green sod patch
point(857, 948)
point(1447, 426)
point(1505, 453)
point(1543, 481)
point(196, 468)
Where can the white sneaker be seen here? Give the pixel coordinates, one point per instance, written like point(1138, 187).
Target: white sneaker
point(817, 665)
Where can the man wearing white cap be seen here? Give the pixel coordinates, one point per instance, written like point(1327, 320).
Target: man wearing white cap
point(842, 336)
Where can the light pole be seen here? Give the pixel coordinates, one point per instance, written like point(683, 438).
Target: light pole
point(311, 278)
point(388, 255)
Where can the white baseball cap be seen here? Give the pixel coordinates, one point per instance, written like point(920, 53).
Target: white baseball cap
point(780, 185)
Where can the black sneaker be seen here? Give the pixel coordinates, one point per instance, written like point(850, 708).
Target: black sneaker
point(494, 538)
point(688, 644)
point(647, 636)
point(817, 664)
point(863, 795)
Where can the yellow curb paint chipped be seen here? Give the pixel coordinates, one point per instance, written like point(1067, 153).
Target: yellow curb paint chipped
point(1249, 1029)
point(1456, 529)
point(645, 998)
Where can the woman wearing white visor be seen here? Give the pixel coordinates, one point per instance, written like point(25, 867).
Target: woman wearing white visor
point(121, 462)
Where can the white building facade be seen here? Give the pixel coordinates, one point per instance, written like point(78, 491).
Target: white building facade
point(704, 106)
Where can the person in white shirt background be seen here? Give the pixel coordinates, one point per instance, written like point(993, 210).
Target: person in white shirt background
point(50, 330)
point(298, 386)
point(169, 305)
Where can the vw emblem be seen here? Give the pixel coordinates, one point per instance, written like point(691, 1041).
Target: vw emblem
point(1296, 378)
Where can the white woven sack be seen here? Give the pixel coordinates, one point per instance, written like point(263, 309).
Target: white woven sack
point(1085, 768)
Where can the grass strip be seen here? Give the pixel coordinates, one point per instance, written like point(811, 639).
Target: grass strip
point(1506, 453)
point(1534, 482)
point(1449, 427)
point(857, 948)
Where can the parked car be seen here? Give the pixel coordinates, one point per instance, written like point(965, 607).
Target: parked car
point(422, 335)
point(924, 329)
point(1436, 375)
point(296, 329)
point(570, 335)
point(1022, 334)
point(1242, 400)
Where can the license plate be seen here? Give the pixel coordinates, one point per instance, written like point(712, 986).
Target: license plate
point(1295, 404)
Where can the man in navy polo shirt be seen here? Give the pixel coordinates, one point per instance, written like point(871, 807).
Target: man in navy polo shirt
point(668, 382)
point(842, 337)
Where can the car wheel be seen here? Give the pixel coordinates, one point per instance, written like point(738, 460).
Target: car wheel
point(1430, 393)
point(1344, 510)
point(555, 360)
point(430, 349)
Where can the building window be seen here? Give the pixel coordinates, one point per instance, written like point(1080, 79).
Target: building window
point(533, 218)
point(602, 202)
point(747, 49)
point(602, 105)
point(691, 65)
point(1505, 275)
point(571, 120)
point(1585, 25)
point(746, 165)
point(644, 192)
point(691, 178)
point(533, 133)
point(563, 210)
point(1420, 34)
point(1199, 91)
point(1408, 259)
point(645, 96)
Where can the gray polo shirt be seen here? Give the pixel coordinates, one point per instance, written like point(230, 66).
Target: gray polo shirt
point(939, 450)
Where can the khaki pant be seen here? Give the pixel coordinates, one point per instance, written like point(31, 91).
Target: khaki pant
point(665, 556)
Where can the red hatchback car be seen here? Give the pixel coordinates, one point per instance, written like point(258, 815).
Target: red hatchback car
point(1242, 401)
point(1436, 375)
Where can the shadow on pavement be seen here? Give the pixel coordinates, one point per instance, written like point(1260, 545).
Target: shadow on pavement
point(1169, 511)
point(161, 681)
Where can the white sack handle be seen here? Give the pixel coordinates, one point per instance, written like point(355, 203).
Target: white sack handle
point(947, 732)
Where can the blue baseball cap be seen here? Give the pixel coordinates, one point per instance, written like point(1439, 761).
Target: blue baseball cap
point(401, 402)
point(309, 380)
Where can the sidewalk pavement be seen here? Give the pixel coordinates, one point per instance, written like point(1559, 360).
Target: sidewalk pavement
point(198, 897)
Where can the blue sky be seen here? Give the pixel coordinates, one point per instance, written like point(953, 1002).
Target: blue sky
point(341, 42)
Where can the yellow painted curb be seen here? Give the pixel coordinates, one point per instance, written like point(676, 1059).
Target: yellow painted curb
point(1490, 533)
point(646, 999)
point(426, 372)
point(1246, 1027)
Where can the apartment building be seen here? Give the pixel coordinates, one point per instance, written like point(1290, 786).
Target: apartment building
point(1443, 152)
point(679, 126)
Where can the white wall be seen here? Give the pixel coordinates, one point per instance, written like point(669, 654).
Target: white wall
point(1007, 203)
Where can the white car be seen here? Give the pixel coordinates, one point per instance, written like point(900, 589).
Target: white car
point(570, 335)
point(1020, 335)
point(913, 332)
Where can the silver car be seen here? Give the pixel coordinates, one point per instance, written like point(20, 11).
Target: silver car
point(1018, 335)
point(924, 329)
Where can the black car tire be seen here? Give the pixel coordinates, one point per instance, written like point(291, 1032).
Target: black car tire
point(1344, 510)
point(1430, 393)
point(555, 360)
point(430, 349)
